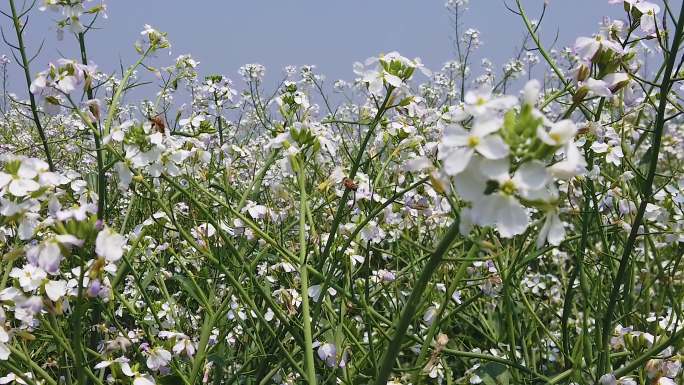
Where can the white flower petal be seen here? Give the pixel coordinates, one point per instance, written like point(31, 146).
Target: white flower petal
point(492, 147)
point(484, 127)
point(512, 219)
point(56, 289)
point(4, 352)
point(393, 80)
point(457, 160)
point(144, 380)
point(531, 175)
point(109, 245)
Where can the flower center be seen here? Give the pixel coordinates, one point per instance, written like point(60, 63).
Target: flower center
point(481, 101)
point(508, 187)
point(473, 141)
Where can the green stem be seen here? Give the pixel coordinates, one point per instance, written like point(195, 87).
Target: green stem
point(304, 276)
point(27, 74)
point(352, 173)
point(101, 176)
point(257, 179)
point(34, 366)
point(412, 304)
point(647, 190)
point(546, 56)
point(657, 348)
point(119, 92)
point(456, 280)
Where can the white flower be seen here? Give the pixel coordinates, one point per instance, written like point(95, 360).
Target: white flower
point(315, 292)
point(552, 231)
point(372, 232)
point(255, 211)
point(648, 11)
point(109, 244)
point(193, 122)
point(46, 255)
point(107, 363)
point(587, 47)
point(39, 83)
point(417, 164)
point(4, 349)
point(139, 379)
point(155, 38)
point(184, 344)
point(30, 277)
point(373, 78)
point(204, 230)
point(125, 175)
point(429, 316)
point(481, 102)
point(118, 134)
point(573, 164)
point(21, 183)
point(11, 377)
point(560, 133)
point(158, 358)
point(376, 78)
point(607, 86)
point(613, 152)
point(501, 208)
point(56, 289)
point(531, 91)
point(502, 211)
point(328, 353)
point(608, 379)
point(459, 145)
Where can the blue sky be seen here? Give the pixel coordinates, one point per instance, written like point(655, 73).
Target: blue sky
point(331, 34)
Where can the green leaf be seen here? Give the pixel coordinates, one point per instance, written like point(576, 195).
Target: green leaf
point(494, 373)
point(190, 287)
point(171, 379)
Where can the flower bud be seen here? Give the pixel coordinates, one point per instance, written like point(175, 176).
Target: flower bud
point(582, 72)
point(580, 94)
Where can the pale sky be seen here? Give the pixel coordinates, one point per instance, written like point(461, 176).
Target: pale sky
point(330, 34)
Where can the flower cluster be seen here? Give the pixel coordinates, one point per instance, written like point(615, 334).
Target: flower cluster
point(406, 229)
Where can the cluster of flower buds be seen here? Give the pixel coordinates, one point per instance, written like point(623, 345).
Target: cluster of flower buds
point(152, 40)
point(72, 11)
point(60, 80)
point(391, 69)
point(604, 61)
point(509, 163)
point(151, 152)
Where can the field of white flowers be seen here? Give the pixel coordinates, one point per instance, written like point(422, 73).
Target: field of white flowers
point(459, 225)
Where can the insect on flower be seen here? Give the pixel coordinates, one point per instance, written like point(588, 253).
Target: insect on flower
point(158, 123)
point(350, 184)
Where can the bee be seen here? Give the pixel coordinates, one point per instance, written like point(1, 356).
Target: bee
point(420, 204)
point(158, 123)
point(350, 184)
point(583, 130)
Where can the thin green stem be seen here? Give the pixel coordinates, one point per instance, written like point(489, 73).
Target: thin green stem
point(411, 306)
point(647, 190)
point(304, 277)
point(25, 63)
